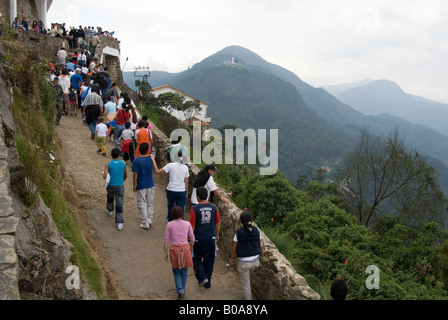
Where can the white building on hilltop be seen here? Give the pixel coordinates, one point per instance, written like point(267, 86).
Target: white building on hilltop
point(202, 116)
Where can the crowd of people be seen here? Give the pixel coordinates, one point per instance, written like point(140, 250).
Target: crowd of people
point(113, 117)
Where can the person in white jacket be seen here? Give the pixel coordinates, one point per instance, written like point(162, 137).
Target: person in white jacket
point(64, 82)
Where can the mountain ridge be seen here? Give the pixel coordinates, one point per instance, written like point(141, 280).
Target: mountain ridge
point(211, 81)
point(385, 96)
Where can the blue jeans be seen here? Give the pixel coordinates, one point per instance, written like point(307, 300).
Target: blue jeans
point(92, 126)
point(119, 128)
point(116, 193)
point(175, 198)
point(180, 279)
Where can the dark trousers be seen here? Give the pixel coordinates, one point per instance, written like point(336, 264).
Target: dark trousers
point(175, 198)
point(204, 253)
point(115, 194)
point(130, 154)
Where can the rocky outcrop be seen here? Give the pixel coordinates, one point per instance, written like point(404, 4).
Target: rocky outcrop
point(34, 257)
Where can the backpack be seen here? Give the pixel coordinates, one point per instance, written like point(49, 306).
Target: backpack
point(72, 96)
point(84, 94)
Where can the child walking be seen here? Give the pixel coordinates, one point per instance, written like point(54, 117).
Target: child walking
point(142, 135)
point(100, 136)
point(127, 143)
point(247, 247)
point(72, 101)
point(116, 170)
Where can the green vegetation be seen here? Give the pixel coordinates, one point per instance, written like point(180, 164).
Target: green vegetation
point(34, 110)
point(263, 101)
point(317, 227)
point(318, 231)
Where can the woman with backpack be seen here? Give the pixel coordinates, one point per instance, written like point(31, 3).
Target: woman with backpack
point(247, 247)
point(122, 116)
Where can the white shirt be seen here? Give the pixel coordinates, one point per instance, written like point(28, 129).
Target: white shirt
point(101, 130)
point(127, 134)
point(177, 174)
point(210, 186)
point(64, 81)
point(62, 54)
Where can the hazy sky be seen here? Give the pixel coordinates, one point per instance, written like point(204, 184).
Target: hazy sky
point(324, 42)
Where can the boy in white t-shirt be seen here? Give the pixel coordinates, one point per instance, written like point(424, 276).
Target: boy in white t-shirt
point(177, 189)
point(100, 136)
point(205, 179)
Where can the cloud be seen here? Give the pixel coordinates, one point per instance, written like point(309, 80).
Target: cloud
point(324, 42)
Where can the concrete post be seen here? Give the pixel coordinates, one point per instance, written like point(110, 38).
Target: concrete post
point(12, 11)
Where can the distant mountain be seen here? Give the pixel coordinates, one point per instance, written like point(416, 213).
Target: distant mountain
point(340, 88)
point(316, 128)
point(384, 96)
point(157, 78)
point(343, 117)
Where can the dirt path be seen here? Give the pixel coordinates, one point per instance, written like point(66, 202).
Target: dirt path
point(131, 259)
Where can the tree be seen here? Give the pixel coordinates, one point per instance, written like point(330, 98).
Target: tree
point(191, 109)
point(380, 176)
point(171, 101)
point(145, 93)
point(270, 198)
point(174, 101)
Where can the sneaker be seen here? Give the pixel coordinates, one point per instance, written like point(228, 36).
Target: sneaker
point(92, 136)
point(145, 226)
point(203, 283)
point(110, 213)
point(180, 296)
point(120, 227)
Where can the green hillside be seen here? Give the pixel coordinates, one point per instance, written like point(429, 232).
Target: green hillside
point(316, 128)
point(250, 98)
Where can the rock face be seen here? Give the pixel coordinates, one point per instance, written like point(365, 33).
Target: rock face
point(34, 257)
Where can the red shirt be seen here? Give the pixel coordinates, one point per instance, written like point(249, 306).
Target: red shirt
point(123, 116)
point(193, 216)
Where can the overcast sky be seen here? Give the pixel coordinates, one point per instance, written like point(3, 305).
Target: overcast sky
point(324, 42)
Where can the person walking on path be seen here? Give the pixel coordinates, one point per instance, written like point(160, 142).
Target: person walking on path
point(144, 186)
point(142, 135)
point(59, 97)
point(115, 174)
point(177, 189)
point(127, 143)
point(93, 107)
point(205, 179)
point(100, 136)
point(178, 232)
point(206, 224)
point(61, 57)
point(247, 247)
point(122, 116)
